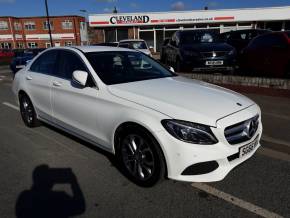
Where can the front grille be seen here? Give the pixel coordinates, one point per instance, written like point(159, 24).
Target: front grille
point(242, 131)
point(214, 54)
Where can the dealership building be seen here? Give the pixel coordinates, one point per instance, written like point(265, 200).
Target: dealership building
point(155, 27)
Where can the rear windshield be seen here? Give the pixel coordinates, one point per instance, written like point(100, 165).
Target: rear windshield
point(199, 37)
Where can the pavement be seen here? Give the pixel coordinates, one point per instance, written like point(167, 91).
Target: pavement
point(57, 175)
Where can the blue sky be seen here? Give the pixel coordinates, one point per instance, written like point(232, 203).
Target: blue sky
point(62, 7)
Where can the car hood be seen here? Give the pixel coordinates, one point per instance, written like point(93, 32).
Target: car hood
point(183, 99)
point(208, 47)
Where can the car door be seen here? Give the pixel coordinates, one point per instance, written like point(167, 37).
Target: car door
point(38, 79)
point(74, 107)
point(275, 61)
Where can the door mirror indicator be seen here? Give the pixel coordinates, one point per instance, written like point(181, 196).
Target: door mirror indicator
point(80, 77)
point(172, 69)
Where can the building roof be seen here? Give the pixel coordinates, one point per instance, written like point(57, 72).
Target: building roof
point(33, 17)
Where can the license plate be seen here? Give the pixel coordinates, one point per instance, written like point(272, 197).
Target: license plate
point(20, 66)
point(249, 148)
point(214, 63)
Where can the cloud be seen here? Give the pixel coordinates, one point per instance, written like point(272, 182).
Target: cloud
point(178, 6)
point(7, 1)
point(110, 10)
point(213, 4)
point(104, 1)
point(134, 5)
point(107, 10)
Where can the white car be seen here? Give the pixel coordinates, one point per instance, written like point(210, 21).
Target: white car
point(137, 44)
point(157, 123)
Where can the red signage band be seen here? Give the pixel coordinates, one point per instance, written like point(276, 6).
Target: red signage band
point(163, 21)
point(100, 22)
point(225, 18)
point(129, 22)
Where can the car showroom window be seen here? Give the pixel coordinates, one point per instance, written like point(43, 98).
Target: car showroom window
point(68, 63)
point(45, 63)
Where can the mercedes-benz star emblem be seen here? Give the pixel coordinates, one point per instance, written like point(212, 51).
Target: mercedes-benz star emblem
point(213, 54)
point(250, 129)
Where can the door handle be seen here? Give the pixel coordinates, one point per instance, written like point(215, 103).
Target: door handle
point(57, 84)
point(28, 78)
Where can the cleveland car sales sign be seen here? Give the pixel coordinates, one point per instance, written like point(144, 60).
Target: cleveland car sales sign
point(188, 17)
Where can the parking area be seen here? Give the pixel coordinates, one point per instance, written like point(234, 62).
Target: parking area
point(95, 187)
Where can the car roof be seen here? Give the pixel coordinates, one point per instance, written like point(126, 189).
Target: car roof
point(88, 49)
point(132, 40)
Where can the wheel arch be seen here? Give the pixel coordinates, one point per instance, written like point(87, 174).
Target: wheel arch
point(21, 92)
point(131, 124)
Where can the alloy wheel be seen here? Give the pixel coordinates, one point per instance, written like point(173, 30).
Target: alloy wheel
point(27, 111)
point(138, 157)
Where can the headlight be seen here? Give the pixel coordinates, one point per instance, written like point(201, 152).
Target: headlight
point(190, 132)
point(232, 52)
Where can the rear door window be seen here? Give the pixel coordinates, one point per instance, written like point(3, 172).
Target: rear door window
point(45, 63)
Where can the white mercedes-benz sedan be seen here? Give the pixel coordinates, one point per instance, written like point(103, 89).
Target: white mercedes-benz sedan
point(157, 124)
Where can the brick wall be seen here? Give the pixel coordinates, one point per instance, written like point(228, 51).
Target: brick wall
point(241, 80)
point(39, 24)
point(95, 35)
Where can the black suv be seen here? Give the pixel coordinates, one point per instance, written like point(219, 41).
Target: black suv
point(241, 38)
point(199, 50)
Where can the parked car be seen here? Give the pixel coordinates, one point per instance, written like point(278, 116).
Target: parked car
point(162, 51)
point(268, 55)
point(6, 56)
point(137, 44)
point(6, 53)
point(199, 50)
point(241, 38)
point(111, 44)
point(155, 122)
point(21, 58)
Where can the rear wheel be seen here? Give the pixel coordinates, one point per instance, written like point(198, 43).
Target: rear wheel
point(27, 111)
point(140, 156)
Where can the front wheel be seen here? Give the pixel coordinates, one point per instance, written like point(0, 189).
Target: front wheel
point(141, 157)
point(27, 111)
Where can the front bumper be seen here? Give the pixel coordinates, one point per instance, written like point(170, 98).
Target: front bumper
point(181, 155)
point(199, 64)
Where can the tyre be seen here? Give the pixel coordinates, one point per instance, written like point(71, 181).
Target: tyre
point(140, 157)
point(27, 112)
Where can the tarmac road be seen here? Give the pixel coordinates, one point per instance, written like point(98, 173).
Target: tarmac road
point(57, 175)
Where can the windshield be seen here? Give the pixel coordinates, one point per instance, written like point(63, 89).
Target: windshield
point(124, 66)
point(134, 45)
point(199, 37)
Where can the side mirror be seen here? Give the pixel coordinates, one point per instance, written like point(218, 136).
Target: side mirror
point(80, 77)
point(172, 69)
point(151, 47)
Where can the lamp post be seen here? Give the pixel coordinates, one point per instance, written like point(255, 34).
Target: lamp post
point(86, 13)
point(48, 22)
